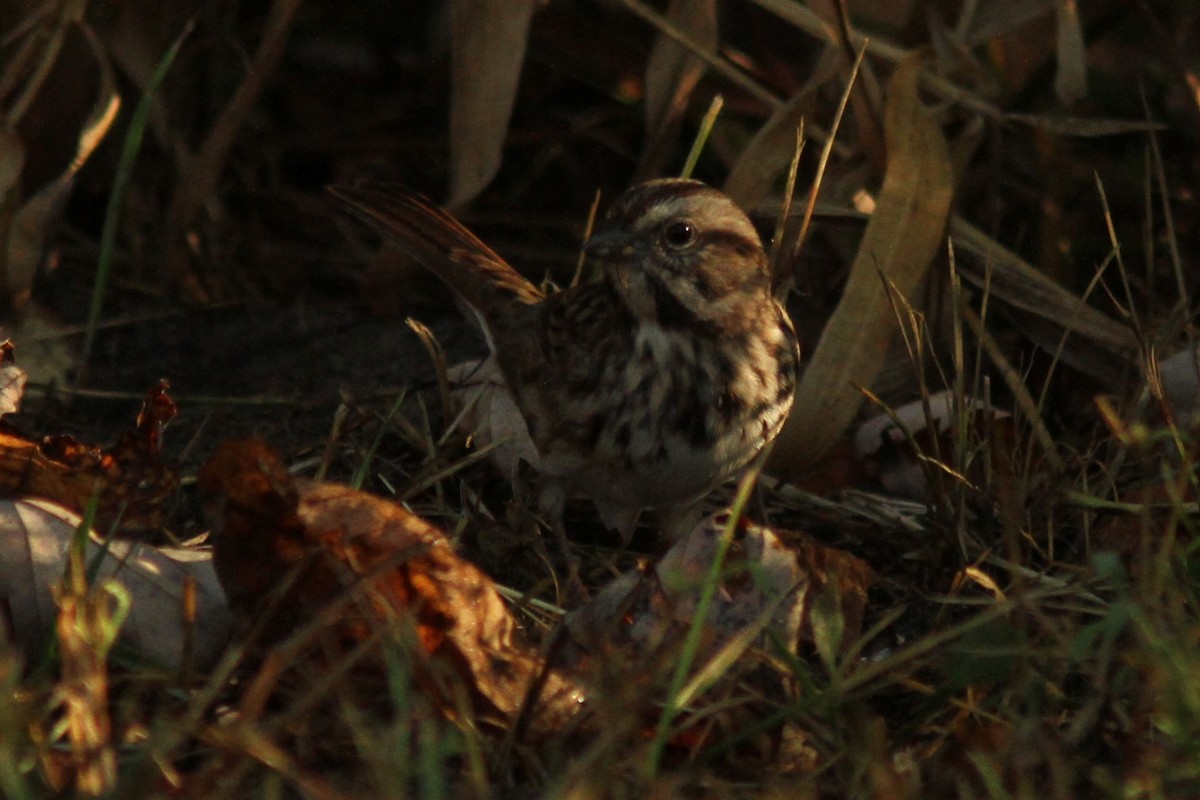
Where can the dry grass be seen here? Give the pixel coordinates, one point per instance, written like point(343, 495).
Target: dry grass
point(1035, 632)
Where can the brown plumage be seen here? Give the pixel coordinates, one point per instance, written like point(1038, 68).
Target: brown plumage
point(647, 387)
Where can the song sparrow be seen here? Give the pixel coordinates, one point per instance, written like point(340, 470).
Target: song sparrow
point(648, 387)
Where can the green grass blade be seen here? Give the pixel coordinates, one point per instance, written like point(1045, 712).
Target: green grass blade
point(116, 198)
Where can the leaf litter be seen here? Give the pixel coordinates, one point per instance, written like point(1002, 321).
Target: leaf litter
point(1021, 628)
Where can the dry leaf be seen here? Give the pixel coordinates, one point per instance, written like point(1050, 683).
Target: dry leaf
point(771, 149)
point(131, 481)
point(35, 537)
point(769, 581)
point(12, 380)
point(901, 240)
point(672, 73)
point(628, 640)
point(487, 48)
point(1179, 376)
point(491, 416)
point(292, 554)
point(640, 611)
point(835, 575)
point(27, 231)
point(1070, 83)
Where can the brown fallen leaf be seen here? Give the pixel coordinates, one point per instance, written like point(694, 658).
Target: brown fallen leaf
point(832, 573)
point(131, 481)
point(776, 589)
point(643, 609)
point(291, 553)
point(764, 598)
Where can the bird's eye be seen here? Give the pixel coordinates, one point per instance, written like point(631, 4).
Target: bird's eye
point(680, 233)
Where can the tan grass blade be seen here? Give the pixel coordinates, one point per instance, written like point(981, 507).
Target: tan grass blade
point(900, 241)
point(1100, 344)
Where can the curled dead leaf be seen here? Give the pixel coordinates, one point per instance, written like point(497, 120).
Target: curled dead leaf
point(132, 482)
point(770, 579)
point(629, 639)
point(641, 610)
point(177, 618)
point(307, 559)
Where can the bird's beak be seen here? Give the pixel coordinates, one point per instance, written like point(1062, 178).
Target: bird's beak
point(605, 244)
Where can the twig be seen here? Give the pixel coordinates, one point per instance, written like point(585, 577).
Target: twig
point(198, 179)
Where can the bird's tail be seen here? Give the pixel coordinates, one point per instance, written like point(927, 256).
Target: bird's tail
point(483, 279)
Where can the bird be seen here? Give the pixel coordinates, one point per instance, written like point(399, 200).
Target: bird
point(646, 387)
